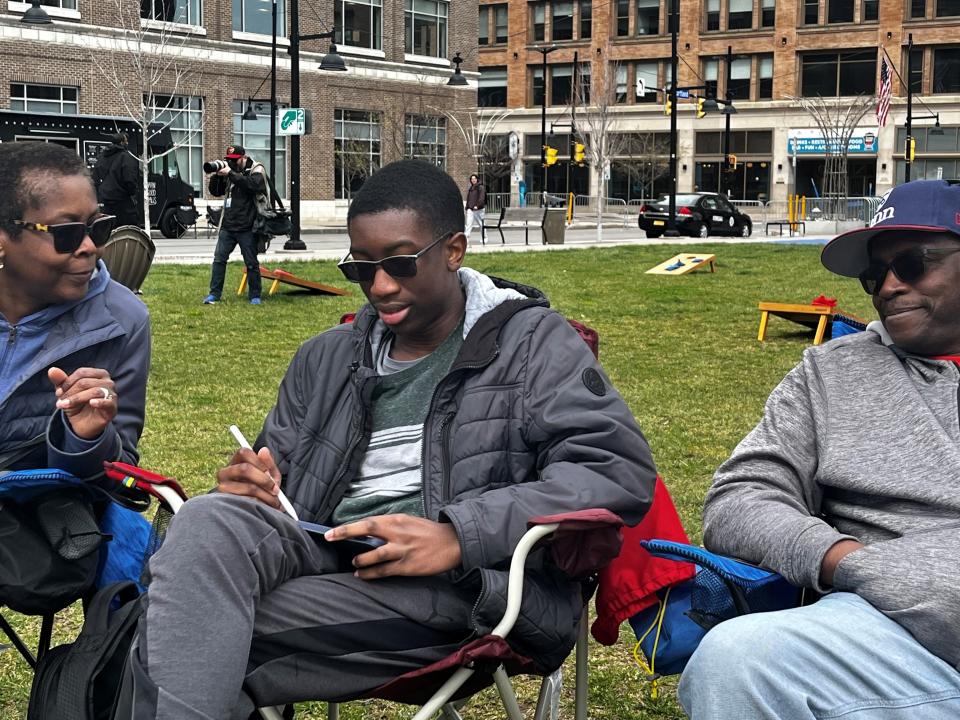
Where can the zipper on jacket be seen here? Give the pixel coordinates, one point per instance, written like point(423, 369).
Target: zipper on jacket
point(11, 339)
point(12, 336)
point(445, 426)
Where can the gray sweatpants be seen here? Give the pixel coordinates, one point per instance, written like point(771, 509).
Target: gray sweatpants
point(241, 597)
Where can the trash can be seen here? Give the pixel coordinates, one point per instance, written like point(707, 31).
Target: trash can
point(554, 225)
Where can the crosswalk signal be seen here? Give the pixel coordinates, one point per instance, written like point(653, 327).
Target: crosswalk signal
point(668, 107)
point(579, 153)
point(910, 150)
point(700, 111)
point(551, 157)
point(732, 161)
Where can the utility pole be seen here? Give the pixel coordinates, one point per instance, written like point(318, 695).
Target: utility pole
point(907, 160)
point(273, 99)
point(543, 122)
point(724, 165)
point(671, 230)
point(573, 120)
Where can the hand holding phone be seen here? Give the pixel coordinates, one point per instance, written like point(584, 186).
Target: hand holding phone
point(349, 546)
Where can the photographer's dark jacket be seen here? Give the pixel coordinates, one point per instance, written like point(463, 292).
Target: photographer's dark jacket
point(117, 177)
point(242, 189)
point(524, 424)
point(110, 329)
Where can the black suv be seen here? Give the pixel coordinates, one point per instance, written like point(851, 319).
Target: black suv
point(698, 215)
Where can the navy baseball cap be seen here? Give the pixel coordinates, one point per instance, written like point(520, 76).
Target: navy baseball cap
point(922, 206)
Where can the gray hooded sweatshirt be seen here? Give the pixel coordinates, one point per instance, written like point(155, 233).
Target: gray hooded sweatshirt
point(860, 440)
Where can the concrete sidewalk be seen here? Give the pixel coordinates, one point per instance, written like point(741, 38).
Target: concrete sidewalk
point(332, 243)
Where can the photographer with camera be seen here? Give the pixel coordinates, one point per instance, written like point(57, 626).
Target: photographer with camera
point(239, 180)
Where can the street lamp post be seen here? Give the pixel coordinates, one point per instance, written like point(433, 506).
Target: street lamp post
point(543, 122)
point(331, 61)
point(907, 160)
point(273, 96)
point(726, 125)
point(671, 230)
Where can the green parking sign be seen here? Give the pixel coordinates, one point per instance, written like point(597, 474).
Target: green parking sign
point(291, 121)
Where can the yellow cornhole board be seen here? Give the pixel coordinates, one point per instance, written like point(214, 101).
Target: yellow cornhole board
point(814, 317)
point(282, 276)
point(682, 264)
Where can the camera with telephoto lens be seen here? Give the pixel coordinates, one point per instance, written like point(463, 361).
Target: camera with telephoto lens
point(212, 166)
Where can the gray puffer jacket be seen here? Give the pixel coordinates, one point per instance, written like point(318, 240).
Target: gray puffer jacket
point(524, 424)
point(109, 330)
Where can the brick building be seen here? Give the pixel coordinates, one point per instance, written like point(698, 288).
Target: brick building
point(779, 50)
point(391, 102)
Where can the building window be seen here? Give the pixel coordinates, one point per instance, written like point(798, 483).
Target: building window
point(538, 21)
point(426, 139)
point(500, 23)
point(586, 19)
point(738, 79)
point(583, 82)
point(356, 147)
point(811, 12)
point(740, 15)
point(256, 16)
point(561, 20)
point(492, 87)
point(47, 99)
point(561, 84)
point(646, 72)
point(713, 15)
point(186, 12)
point(483, 25)
point(184, 115)
point(839, 11)
point(537, 96)
point(765, 78)
point(948, 8)
point(915, 70)
point(359, 23)
point(648, 17)
point(254, 135)
point(853, 72)
point(64, 4)
point(620, 87)
point(623, 18)
point(426, 27)
point(918, 9)
point(871, 10)
point(946, 70)
point(768, 13)
point(710, 78)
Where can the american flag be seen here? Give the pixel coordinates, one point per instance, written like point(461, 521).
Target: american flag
point(883, 98)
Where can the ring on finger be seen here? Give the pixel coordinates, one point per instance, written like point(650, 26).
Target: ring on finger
point(106, 393)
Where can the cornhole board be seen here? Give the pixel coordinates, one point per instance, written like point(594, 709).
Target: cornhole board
point(683, 263)
point(814, 317)
point(282, 276)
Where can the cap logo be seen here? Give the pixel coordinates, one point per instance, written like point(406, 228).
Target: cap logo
point(883, 215)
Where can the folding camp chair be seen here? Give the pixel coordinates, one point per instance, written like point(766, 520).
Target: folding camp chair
point(580, 543)
point(128, 256)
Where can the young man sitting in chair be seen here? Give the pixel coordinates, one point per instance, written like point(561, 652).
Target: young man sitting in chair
point(451, 411)
point(851, 484)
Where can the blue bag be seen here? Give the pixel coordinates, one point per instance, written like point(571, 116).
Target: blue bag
point(123, 558)
point(723, 588)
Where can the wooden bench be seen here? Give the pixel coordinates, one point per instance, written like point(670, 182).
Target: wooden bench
point(793, 226)
point(551, 222)
point(282, 276)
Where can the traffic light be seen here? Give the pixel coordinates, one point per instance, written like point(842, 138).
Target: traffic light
point(732, 161)
point(579, 153)
point(910, 149)
point(551, 155)
point(700, 111)
point(668, 107)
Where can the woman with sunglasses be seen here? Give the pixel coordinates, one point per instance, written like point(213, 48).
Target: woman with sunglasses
point(76, 349)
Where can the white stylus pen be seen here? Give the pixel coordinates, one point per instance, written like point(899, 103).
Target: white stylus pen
point(284, 503)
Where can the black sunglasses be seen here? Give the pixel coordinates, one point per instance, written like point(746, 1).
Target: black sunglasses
point(909, 265)
point(67, 237)
point(397, 266)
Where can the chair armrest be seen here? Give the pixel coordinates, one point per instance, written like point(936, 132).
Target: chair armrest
point(166, 490)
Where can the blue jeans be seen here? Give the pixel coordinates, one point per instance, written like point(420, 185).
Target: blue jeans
point(226, 242)
point(839, 658)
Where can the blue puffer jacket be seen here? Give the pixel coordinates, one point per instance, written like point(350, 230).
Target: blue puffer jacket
point(109, 330)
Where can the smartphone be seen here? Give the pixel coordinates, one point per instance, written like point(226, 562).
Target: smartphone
point(349, 547)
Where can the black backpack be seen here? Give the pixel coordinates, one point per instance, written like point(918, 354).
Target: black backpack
point(81, 680)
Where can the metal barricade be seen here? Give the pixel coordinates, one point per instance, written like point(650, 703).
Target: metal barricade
point(498, 201)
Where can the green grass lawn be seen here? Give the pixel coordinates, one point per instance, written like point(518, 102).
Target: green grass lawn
point(681, 350)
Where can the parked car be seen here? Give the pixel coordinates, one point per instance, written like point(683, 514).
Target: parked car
point(698, 215)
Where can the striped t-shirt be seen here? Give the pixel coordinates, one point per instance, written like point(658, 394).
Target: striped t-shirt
point(390, 476)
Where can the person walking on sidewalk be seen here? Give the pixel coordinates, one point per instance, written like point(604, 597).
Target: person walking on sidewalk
point(476, 203)
point(239, 182)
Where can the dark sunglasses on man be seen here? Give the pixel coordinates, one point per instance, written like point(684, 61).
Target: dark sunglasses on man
point(396, 266)
point(67, 237)
point(909, 265)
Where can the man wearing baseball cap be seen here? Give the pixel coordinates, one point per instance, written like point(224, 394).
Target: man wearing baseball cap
point(239, 182)
point(850, 486)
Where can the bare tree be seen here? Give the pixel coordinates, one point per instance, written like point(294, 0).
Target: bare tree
point(408, 131)
point(479, 133)
point(352, 158)
point(144, 62)
point(645, 158)
point(596, 124)
point(836, 118)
